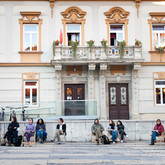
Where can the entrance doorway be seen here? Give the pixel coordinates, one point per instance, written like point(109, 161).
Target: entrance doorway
point(74, 96)
point(118, 101)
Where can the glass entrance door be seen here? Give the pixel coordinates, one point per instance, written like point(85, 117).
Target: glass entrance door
point(74, 96)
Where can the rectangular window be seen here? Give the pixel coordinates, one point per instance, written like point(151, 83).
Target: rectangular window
point(30, 37)
point(158, 35)
point(31, 93)
point(160, 92)
point(73, 32)
point(116, 34)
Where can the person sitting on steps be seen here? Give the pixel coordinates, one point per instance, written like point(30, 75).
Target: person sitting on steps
point(60, 130)
point(41, 130)
point(97, 130)
point(12, 132)
point(120, 128)
point(158, 129)
point(112, 131)
point(29, 130)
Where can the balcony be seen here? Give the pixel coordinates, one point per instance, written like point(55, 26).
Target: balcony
point(64, 55)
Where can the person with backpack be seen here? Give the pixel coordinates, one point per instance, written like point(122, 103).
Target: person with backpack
point(158, 129)
point(112, 131)
point(12, 132)
point(97, 130)
point(120, 128)
point(30, 129)
point(60, 130)
point(41, 130)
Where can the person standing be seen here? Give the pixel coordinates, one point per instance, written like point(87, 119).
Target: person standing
point(60, 130)
point(158, 129)
point(97, 130)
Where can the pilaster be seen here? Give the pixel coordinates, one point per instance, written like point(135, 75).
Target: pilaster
point(102, 84)
point(135, 91)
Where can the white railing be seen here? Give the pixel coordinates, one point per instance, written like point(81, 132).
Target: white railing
point(97, 52)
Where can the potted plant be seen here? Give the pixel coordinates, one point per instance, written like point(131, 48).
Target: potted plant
point(74, 45)
point(159, 55)
point(55, 43)
point(104, 44)
point(121, 45)
point(159, 49)
point(90, 44)
point(138, 43)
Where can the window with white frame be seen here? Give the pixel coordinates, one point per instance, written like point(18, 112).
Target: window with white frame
point(116, 34)
point(30, 37)
point(73, 32)
point(31, 93)
point(160, 92)
point(158, 35)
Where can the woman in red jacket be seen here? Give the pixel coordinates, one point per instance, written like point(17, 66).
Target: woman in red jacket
point(158, 129)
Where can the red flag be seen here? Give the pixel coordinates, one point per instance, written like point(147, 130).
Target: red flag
point(61, 37)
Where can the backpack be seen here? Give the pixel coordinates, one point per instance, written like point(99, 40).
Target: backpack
point(18, 141)
point(105, 139)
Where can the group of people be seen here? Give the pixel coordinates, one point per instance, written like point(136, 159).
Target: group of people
point(97, 130)
point(30, 129)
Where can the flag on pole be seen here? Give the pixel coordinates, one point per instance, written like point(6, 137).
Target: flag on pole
point(61, 37)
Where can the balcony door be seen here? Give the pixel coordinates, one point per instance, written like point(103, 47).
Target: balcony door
point(118, 101)
point(74, 96)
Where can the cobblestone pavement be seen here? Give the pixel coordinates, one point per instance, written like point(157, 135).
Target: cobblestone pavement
point(84, 153)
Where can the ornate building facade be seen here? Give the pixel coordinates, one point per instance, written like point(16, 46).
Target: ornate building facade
point(78, 80)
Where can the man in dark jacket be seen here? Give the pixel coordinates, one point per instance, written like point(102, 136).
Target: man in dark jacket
point(97, 130)
point(158, 129)
point(60, 130)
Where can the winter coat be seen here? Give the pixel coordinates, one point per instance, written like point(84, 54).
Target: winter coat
point(63, 127)
point(95, 127)
point(120, 127)
point(40, 126)
point(160, 128)
point(12, 126)
point(110, 127)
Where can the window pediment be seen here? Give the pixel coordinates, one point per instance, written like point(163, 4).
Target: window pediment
point(30, 17)
point(73, 14)
point(157, 17)
point(116, 14)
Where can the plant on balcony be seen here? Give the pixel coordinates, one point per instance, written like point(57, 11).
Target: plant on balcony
point(74, 45)
point(55, 43)
point(104, 44)
point(90, 44)
point(121, 45)
point(138, 43)
point(159, 49)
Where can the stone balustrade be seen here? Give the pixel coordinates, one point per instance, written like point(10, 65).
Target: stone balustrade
point(97, 53)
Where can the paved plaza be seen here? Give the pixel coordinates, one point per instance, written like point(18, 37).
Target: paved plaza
point(84, 153)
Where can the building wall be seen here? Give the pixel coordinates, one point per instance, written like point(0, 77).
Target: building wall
point(95, 26)
point(96, 29)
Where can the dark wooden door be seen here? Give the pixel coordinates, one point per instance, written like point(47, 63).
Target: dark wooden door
point(74, 96)
point(118, 101)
